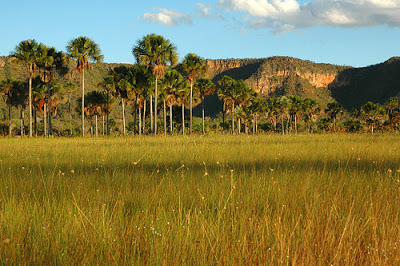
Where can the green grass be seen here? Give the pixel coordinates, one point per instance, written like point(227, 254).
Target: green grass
point(306, 199)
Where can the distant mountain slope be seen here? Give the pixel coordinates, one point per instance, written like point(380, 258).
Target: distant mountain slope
point(275, 76)
point(376, 83)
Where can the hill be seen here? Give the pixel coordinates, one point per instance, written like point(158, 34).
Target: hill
point(275, 76)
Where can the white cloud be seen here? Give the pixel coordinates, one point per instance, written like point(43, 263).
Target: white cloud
point(167, 17)
point(286, 15)
point(204, 11)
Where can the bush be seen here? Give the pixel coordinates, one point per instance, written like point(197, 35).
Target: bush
point(353, 125)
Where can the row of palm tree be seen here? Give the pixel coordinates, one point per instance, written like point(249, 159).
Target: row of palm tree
point(153, 52)
point(155, 59)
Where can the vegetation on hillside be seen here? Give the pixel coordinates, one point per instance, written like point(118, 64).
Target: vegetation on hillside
point(257, 82)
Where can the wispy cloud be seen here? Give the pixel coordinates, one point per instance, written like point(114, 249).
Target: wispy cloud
point(203, 10)
point(286, 15)
point(167, 17)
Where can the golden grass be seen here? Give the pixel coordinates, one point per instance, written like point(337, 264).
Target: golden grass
point(305, 199)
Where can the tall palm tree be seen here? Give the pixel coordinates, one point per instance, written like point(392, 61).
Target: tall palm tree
point(172, 83)
point(204, 87)
point(295, 105)
point(70, 88)
point(156, 53)
point(195, 66)
point(84, 50)
point(28, 53)
point(227, 94)
point(391, 104)
point(50, 61)
point(333, 110)
point(182, 97)
point(108, 84)
point(273, 108)
point(20, 99)
point(372, 112)
point(7, 86)
point(310, 107)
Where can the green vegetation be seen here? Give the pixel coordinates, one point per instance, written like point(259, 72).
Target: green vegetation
point(318, 199)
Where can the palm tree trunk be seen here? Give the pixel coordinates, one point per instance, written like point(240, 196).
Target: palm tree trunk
point(45, 119)
point(170, 120)
point(295, 124)
point(287, 126)
point(49, 107)
point(30, 105)
point(283, 127)
point(233, 120)
point(140, 121)
point(96, 125)
point(204, 130)
point(238, 126)
point(9, 121)
point(123, 116)
point(334, 124)
point(34, 108)
point(108, 128)
point(372, 128)
point(223, 118)
point(191, 107)
point(144, 117)
point(151, 114)
point(91, 126)
point(155, 109)
point(254, 125)
point(70, 115)
point(135, 119)
point(103, 123)
point(165, 119)
point(22, 123)
point(183, 119)
point(83, 102)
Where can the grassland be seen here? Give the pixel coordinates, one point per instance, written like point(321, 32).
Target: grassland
point(320, 200)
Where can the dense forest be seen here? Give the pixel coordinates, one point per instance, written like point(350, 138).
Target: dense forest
point(276, 94)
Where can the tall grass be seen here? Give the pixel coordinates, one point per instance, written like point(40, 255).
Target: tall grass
point(324, 199)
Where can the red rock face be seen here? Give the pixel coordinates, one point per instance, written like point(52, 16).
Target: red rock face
point(268, 77)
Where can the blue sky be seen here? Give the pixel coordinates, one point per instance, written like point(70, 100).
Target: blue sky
point(344, 32)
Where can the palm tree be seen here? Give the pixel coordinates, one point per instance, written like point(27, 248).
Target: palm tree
point(19, 98)
point(38, 98)
point(295, 105)
point(28, 53)
point(309, 108)
point(204, 87)
point(273, 108)
point(51, 61)
point(258, 106)
point(156, 53)
point(71, 88)
point(96, 102)
point(182, 97)
point(333, 110)
point(243, 96)
point(372, 112)
point(195, 66)
point(172, 83)
point(391, 104)
point(8, 88)
point(84, 50)
point(227, 94)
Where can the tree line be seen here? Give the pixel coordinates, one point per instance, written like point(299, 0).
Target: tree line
point(156, 82)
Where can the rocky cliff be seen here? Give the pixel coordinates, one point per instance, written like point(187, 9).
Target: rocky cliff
point(285, 75)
